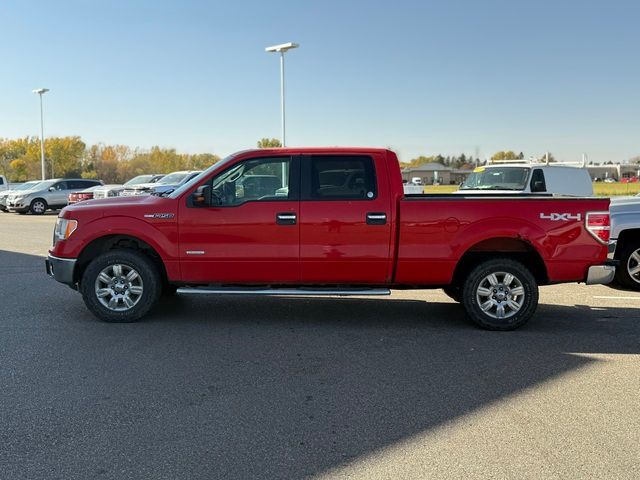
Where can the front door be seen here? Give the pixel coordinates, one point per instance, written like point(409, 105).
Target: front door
point(345, 232)
point(251, 235)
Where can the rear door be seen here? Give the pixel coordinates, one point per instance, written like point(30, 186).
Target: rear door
point(58, 195)
point(345, 231)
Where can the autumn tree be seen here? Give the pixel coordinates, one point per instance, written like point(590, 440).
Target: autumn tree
point(269, 143)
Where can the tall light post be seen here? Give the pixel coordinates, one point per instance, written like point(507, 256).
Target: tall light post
point(41, 91)
point(282, 48)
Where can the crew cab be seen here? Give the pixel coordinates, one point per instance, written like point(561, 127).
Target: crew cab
point(326, 221)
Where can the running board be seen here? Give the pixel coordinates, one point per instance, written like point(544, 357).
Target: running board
point(307, 292)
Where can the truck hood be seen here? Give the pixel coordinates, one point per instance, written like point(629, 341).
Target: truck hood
point(118, 206)
point(625, 204)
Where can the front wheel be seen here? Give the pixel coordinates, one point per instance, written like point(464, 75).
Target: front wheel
point(500, 294)
point(628, 273)
point(120, 286)
point(38, 206)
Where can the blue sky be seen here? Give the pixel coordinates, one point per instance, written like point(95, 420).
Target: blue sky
point(421, 77)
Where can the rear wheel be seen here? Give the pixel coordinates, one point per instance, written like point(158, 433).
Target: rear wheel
point(120, 286)
point(500, 294)
point(38, 206)
point(628, 273)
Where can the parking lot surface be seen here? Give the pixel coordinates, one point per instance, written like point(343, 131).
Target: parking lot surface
point(227, 387)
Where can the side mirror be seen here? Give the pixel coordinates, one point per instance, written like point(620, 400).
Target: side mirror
point(52, 189)
point(202, 196)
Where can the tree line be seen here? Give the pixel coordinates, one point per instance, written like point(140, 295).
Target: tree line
point(71, 157)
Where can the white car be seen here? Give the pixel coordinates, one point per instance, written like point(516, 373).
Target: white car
point(541, 178)
point(168, 183)
point(114, 190)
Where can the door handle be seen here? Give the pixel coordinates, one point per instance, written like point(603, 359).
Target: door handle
point(376, 218)
point(286, 218)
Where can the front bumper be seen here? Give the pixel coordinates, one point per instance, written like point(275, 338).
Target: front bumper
point(601, 274)
point(61, 269)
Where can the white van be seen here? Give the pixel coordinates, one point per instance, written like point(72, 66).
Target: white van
point(529, 177)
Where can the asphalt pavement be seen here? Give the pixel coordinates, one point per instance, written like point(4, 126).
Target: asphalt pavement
point(243, 388)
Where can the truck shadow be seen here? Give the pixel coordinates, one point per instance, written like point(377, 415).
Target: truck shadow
point(245, 388)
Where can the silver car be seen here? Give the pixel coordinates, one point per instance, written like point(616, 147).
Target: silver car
point(47, 195)
point(4, 195)
point(113, 190)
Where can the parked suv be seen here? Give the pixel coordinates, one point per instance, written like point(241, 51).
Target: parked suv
point(4, 195)
point(49, 195)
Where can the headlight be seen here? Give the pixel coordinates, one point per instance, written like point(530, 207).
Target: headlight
point(19, 198)
point(64, 229)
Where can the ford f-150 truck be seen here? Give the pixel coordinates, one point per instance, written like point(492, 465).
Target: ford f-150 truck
point(326, 221)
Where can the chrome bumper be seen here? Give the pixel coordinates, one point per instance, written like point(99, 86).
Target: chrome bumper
point(61, 269)
point(600, 274)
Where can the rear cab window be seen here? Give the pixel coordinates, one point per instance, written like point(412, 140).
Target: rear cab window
point(339, 177)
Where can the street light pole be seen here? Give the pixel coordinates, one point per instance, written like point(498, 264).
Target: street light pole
point(41, 91)
point(282, 48)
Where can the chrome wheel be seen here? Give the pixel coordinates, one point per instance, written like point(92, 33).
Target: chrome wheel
point(119, 287)
point(633, 265)
point(500, 295)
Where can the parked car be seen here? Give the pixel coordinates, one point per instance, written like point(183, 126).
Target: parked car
point(82, 195)
point(525, 177)
point(326, 238)
point(4, 195)
point(113, 190)
point(48, 195)
point(165, 184)
point(625, 240)
point(609, 180)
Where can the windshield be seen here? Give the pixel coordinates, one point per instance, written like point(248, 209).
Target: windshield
point(44, 185)
point(173, 178)
point(497, 178)
point(221, 164)
point(140, 179)
point(26, 186)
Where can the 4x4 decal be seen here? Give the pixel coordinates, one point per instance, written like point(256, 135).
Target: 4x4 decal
point(556, 217)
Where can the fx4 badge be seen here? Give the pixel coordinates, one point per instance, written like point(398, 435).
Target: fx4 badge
point(159, 215)
point(557, 217)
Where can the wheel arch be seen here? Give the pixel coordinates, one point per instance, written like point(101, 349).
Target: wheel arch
point(111, 242)
point(626, 236)
point(505, 247)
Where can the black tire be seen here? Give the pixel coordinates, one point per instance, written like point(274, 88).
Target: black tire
point(169, 290)
point(477, 284)
point(38, 206)
point(453, 292)
point(628, 261)
point(148, 278)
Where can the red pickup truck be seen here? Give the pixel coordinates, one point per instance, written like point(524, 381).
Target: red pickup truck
point(326, 221)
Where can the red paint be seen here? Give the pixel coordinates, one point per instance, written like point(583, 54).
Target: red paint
point(421, 243)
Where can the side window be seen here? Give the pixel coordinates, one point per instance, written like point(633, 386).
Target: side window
point(537, 181)
point(77, 185)
point(60, 186)
point(1, 181)
point(340, 177)
point(255, 180)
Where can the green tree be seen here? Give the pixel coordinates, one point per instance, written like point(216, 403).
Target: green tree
point(269, 143)
point(504, 155)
